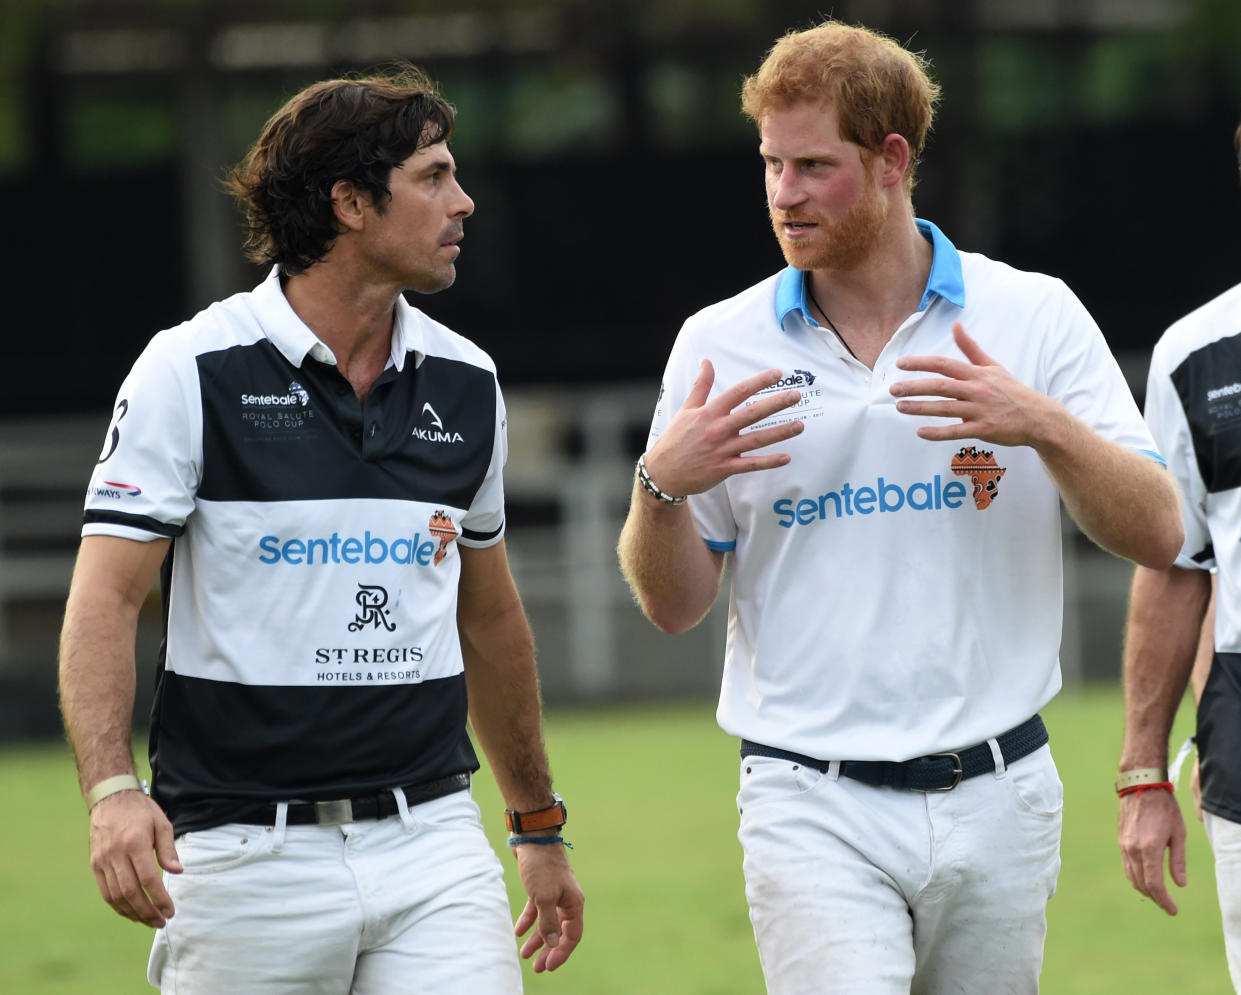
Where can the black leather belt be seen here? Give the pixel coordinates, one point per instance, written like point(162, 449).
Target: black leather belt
point(935, 772)
point(335, 811)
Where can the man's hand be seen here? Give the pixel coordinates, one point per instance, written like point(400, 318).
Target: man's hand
point(1150, 823)
point(128, 833)
point(992, 404)
point(704, 442)
point(555, 904)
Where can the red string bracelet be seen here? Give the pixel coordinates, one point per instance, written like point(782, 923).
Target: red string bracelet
point(1135, 789)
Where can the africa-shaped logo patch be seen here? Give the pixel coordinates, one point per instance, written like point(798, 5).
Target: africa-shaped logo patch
point(443, 529)
point(981, 469)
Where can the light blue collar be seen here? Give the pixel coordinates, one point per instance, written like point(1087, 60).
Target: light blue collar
point(944, 281)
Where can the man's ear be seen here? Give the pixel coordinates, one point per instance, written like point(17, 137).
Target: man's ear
point(894, 156)
point(349, 205)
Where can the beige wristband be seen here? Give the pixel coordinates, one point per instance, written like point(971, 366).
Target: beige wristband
point(110, 786)
point(1141, 775)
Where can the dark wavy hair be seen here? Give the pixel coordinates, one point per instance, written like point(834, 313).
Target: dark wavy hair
point(354, 129)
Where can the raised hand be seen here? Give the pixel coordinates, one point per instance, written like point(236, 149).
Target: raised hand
point(992, 404)
point(706, 443)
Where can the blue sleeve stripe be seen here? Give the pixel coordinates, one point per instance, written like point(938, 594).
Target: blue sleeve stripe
point(1155, 456)
point(721, 547)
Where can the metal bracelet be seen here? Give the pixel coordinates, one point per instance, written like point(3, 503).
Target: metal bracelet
point(653, 489)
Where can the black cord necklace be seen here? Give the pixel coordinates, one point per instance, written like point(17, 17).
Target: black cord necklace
point(830, 324)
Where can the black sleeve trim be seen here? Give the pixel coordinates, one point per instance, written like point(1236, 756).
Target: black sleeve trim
point(142, 522)
point(1206, 554)
point(481, 536)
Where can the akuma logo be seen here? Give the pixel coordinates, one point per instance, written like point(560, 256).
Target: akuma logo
point(983, 473)
point(436, 432)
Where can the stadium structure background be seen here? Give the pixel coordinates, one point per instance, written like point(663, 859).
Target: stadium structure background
point(618, 190)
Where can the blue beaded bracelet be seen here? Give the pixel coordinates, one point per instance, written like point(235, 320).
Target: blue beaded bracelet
point(540, 840)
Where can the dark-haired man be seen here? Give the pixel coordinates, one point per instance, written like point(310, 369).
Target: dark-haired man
point(317, 468)
point(896, 598)
point(1193, 407)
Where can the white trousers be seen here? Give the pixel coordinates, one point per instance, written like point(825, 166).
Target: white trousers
point(1225, 837)
point(411, 903)
point(858, 890)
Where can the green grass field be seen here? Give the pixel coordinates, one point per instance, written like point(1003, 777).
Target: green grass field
point(650, 793)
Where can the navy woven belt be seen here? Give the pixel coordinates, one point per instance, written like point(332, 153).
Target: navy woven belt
point(935, 772)
point(339, 810)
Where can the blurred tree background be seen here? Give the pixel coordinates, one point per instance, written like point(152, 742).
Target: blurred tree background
point(617, 183)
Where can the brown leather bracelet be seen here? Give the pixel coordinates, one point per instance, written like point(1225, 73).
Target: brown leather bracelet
point(552, 817)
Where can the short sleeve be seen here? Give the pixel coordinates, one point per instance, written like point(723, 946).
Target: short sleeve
point(483, 524)
point(145, 480)
point(1165, 414)
point(1083, 375)
point(712, 511)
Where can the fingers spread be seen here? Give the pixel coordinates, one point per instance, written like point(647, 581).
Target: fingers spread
point(760, 410)
point(570, 937)
point(968, 346)
point(944, 365)
point(936, 387)
point(701, 389)
point(742, 391)
point(524, 921)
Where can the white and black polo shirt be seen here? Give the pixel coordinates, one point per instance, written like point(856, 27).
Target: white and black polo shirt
point(1193, 407)
point(311, 648)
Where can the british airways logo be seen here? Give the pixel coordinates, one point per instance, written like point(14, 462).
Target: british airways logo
point(115, 489)
point(432, 429)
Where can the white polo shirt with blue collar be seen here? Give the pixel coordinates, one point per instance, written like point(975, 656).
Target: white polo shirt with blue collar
point(891, 596)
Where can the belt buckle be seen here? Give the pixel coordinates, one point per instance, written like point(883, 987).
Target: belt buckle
point(957, 770)
point(334, 812)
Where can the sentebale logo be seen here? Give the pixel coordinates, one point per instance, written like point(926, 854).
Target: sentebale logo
point(980, 467)
point(367, 548)
point(442, 527)
point(1228, 391)
point(886, 496)
point(296, 397)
